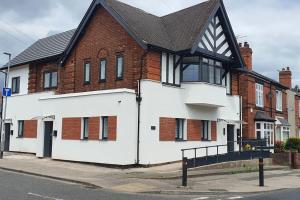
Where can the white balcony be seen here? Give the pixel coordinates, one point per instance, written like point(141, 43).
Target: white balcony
point(204, 94)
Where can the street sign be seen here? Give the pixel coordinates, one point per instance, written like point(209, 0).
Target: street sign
point(6, 92)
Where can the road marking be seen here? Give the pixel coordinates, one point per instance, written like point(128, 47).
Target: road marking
point(201, 198)
point(237, 197)
point(42, 196)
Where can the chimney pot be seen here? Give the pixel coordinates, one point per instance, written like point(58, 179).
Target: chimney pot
point(288, 68)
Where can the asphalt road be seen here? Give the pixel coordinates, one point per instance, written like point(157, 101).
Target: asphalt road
point(15, 186)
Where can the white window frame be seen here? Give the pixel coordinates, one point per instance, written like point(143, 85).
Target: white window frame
point(259, 95)
point(266, 128)
point(103, 135)
point(85, 126)
point(285, 129)
point(208, 123)
point(279, 100)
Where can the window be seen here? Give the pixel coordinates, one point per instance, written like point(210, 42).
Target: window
point(191, 73)
point(102, 70)
point(265, 130)
point(205, 133)
point(50, 80)
point(179, 129)
point(87, 72)
point(20, 128)
point(278, 100)
point(201, 70)
point(85, 128)
point(285, 133)
point(259, 88)
point(104, 128)
point(15, 85)
point(120, 67)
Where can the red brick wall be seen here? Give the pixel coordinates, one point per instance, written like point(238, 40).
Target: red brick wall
point(94, 128)
point(112, 128)
point(104, 38)
point(30, 129)
point(193, 130)
point(297, 121)
point(247, 91)
point(36, 76)
point(153, 66)
point(167, 129)
point(214, 133)
point(71, 128)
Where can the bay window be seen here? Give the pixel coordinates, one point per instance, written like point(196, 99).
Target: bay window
point(197, 69)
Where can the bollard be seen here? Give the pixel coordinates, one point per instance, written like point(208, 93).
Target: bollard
point(184, 171)
point(261, 172)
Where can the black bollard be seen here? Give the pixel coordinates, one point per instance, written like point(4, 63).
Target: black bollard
point(261, 172)
point(184, 172)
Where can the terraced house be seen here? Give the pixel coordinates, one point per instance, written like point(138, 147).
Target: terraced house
point(127, 87)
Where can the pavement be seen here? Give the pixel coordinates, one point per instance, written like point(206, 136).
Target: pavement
point(155, 180)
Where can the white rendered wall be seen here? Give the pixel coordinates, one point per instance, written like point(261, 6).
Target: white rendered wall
point(165, 101)
point(23, 73)
point(120, 103)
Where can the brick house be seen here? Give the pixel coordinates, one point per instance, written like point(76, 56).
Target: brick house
point(269, 106)
point(127, 87)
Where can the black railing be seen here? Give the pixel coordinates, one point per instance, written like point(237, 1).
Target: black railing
point(249, 146)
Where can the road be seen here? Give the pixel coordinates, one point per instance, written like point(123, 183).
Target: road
point(15, 186)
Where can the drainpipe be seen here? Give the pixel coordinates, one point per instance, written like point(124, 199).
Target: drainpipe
point(139, 100)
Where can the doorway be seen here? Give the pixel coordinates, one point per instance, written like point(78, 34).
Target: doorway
point(7, 137)
point(230, 138)
point(48, 129)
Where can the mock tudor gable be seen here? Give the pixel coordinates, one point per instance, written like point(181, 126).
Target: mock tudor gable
point(203, 28)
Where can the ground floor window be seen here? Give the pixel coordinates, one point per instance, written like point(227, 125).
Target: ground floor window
point(285, 133)
point(104, 128)
point(265, 130)
point(20, 128)
point(205, 133)
point(85, 128)
point(180, 129)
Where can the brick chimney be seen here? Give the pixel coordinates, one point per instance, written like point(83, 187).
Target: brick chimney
point(285, 77)
point(246, 52)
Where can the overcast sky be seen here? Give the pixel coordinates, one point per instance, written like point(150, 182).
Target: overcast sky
point(270, 26)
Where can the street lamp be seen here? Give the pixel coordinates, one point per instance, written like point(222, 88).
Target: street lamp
point(5, 108)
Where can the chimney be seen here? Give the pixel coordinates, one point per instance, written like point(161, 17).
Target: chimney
point(246, 52)
point(285, 77)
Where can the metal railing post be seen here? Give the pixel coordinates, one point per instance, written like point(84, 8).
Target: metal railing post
point(184, 171)
point(261, 172)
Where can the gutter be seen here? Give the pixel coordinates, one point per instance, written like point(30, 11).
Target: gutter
point(139, 100)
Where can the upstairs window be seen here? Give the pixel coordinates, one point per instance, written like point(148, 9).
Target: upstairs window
point(120, 67)
point(15, 85)
point(87, 72)
point(259, 95)
point(196, 69)
point(102, 70)
point(278, 100)
point(50, 80)
point(179, 129)
point(20, 128)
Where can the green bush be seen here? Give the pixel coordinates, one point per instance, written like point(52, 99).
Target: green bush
point(293, 144)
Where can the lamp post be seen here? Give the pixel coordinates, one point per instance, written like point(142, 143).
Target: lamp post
point(5, 108)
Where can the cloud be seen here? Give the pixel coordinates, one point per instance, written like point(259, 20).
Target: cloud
point(270, 27)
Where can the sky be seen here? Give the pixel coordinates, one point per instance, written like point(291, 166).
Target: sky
point(270, 26)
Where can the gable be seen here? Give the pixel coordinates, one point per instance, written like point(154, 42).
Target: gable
point(215, 40)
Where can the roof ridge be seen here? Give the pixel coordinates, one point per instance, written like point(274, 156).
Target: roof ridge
point(184, 9)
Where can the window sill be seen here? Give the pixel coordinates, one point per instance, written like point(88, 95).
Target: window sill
point(102, 81)
point(180, 140)
point(84, 139)
point(259, 107)
point(86, 83)
point(119, 79)
point(19, 137)
point(205, 140)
